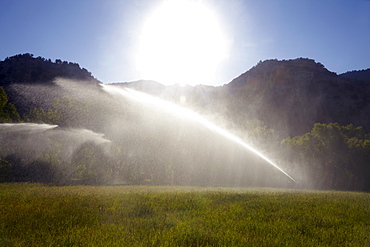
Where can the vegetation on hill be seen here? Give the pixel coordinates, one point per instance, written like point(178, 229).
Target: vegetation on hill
point(337, 156)
point(8, 112)
point(25, 68)
point(291, 96)
point(32, 82)
point(359, 75)
point(296, 112)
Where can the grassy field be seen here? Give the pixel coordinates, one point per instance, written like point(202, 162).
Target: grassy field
point(36, 215)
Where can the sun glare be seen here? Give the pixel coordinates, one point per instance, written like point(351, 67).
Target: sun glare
point(181, 42)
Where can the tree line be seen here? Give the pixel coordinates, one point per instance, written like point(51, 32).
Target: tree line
point(145, 150)
point(330, 156)
point(25, 68)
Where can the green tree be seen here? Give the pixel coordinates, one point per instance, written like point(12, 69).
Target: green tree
point(8, 112)
point(5, 171)
point(41, 172)
point(39, 115)
point(91, 165)
point(332, 156)
point(66, 112)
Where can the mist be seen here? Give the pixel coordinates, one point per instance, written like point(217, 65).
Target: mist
point(109, 137)
point(272, 126)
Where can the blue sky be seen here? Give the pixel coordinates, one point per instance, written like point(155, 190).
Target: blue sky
point(103, 36)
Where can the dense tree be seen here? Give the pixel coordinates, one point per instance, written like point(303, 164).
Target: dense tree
point(273, 100)
point(332, 157)
point(39, 115)
point(8, 112)
point(13, 169)
point(25, 68)
point(5, 171)
point(65, 111)
point(91, 165)
point(41, 172)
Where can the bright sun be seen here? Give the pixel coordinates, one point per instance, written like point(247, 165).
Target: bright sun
point(181, 42)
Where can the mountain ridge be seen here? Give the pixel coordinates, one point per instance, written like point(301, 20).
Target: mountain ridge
point(30, 82)
point(288, 95)
point(25, 68)
point(299, 93)
point(264, 106)
point(359, 75)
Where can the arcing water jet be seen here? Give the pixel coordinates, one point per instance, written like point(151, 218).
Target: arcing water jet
point(33, 139)
point(187, 114)
point(25, 127)
point(30, 128)
point(48, 153)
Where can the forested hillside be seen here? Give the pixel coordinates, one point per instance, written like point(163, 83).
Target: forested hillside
point(290, 96)
point(312, 122)
point(359, 75)
point(25, 68)
point(30, 82)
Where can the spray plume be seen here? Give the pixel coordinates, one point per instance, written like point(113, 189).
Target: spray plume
point(187, 114)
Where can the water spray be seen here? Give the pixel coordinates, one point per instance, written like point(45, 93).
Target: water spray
point(188, 114)
point(25, 127)
point(83, 135)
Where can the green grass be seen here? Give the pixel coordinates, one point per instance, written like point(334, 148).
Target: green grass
point(36, 215)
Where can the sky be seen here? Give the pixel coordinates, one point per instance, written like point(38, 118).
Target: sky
point(106, 37)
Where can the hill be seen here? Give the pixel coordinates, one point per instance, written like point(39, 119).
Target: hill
point(25, 68)
point(157, 143)
point(30, 82)
point(291, 95)
point(327, 114)
point(361, 75)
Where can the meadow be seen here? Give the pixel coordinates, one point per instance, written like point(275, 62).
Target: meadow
point(39, 215)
